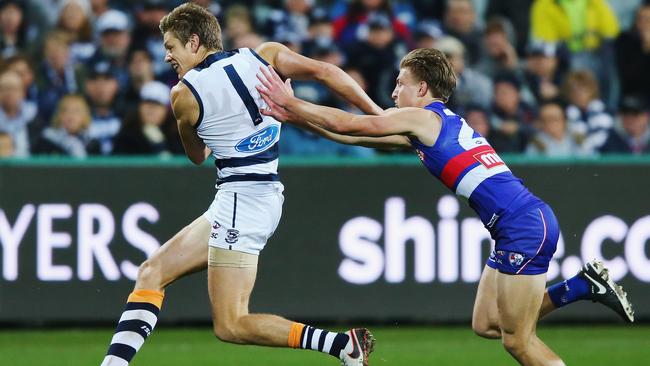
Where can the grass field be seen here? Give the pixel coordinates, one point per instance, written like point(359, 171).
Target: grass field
point(435, 346)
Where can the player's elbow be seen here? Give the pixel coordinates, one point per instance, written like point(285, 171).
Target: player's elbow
point(196, 159)
point(324, 71)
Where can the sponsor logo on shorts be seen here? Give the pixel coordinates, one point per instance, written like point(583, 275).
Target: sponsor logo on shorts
point(216, 225)
point(232, 236)
point(259, 140)
point(214, 235)
point(516, 259)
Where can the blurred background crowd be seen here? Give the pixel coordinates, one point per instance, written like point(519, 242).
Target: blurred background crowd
point(538, 77)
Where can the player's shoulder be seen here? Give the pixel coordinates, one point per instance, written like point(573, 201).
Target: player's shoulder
point(181, 95)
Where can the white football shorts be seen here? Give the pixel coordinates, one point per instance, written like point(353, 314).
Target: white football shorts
point(243, 217)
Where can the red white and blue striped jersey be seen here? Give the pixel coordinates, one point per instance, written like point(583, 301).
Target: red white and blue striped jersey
point(466, 163)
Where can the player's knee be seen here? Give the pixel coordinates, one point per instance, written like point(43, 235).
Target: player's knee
point(149, 275)
point(483, 328)
point(227, 331)
point(515, 344)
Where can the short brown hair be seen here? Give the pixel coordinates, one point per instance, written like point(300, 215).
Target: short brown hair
point(431, 65)
point(188, 19)
point(584, 78)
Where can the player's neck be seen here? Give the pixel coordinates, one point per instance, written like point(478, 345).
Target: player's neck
point(426, 101)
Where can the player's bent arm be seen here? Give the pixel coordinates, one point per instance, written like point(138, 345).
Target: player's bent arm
point(293, 65)
point(386, 142)
point(186, 111)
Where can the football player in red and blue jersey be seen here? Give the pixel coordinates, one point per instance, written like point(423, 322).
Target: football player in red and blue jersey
point(523, 226)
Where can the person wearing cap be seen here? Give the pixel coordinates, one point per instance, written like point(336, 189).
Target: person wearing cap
point(543, 71)
point(151, 129)
point(472, 86)
point(586, 113)
point(68, 133)
point(427, 33)
point(632, 133)
point(377, 57)
point(114, 41)
point(57, 75)
point(102, 92)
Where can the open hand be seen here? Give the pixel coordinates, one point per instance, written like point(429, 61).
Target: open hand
point(273, 87)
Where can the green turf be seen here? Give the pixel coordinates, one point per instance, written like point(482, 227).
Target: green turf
point(435, 346)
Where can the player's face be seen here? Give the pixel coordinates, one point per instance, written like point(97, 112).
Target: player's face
point(178, 55)
point(406, 89)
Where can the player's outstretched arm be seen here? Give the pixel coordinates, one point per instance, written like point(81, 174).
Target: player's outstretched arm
point(282, 114)
point(186, 111)
point(404, 121)
point(293, 65)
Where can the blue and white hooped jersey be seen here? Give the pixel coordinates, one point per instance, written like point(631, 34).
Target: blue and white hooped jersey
point(466, 163)
point(244, 142)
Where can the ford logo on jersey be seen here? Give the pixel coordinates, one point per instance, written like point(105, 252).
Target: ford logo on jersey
point(259, 140)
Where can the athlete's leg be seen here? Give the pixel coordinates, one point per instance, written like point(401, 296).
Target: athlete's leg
point(231, 277)
point(185, 253)
point(485, 317)
point(519, 298)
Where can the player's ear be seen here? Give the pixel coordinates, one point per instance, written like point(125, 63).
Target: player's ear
point(423, 89)
point(194, 42)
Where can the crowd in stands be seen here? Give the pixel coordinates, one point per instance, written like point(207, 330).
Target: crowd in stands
point(558, 78)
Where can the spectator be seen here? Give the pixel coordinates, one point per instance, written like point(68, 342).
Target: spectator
point(148, 15)
point(140, 73)
point(74, 20)
point(114, 41)
point(427, 33)
point(586, 113)
point(633, 55)
point(320, 24)
point(583, 25)
point(22, 65)
point(460, 22)
point(510, 115)
point(101, 89)
point(151, 130)
point(499, 54)
point(379, 45)
point(553, 138)
point(14, 36)
point(249, 40)
point(294, 18)
point(6, 145)
point(68, 135)
point(472, 87)
point(18, 117)
point(478, 118)
point(588, 27)
point(99, 8)
point(238, 23)
point(352, 27)
point(517, 12)
point(213, 6)
point(58, 75)
point(543, 71)
point(632, 135)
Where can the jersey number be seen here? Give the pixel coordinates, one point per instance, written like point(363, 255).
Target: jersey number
point(245, 96)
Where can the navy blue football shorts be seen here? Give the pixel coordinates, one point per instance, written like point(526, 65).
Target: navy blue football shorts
point(525, 241)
